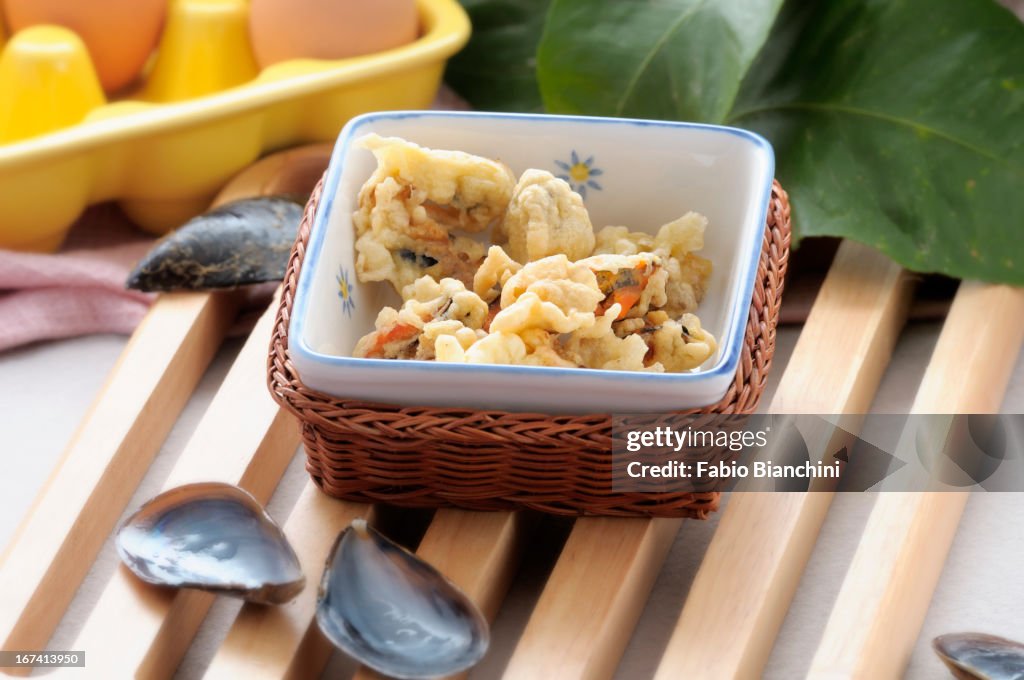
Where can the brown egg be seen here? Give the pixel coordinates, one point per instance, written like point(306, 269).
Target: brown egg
point(120, 34)
point(328, 29)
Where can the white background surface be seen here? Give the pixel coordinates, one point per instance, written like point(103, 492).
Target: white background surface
point(50, 386)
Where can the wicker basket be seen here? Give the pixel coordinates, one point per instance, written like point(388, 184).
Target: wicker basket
point(493, 460)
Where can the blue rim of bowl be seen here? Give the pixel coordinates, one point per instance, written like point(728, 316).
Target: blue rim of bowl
point(733, 344)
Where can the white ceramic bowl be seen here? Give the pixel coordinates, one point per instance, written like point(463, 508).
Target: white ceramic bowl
point(642, 174)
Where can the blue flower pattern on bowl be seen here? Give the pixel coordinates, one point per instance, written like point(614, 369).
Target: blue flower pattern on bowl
point(580, 174)
point(348, 303)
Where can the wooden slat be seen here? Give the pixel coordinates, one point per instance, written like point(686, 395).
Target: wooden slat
point(750, 572)
point(283, 642)
point(881, 606)
point(859, 312)
point(593, 598)
point(244, 438)
point(478, 551)
point(87, 492)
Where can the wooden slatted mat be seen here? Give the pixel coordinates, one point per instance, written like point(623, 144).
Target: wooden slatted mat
point(597, 588)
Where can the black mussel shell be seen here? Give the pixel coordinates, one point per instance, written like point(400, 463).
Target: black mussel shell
point(395, 613)
point(237, 244)
point(214, 537)
point(977, 656)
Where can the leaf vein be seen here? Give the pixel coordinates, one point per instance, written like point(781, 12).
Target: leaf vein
point(649, 57)
point(878, 115)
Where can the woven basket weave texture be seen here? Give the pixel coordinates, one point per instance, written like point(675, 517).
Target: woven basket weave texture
point(493, 460)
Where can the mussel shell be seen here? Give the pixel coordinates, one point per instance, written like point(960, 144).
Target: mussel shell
point(237, 244)
point(395, 613)
point(213, 537)
point(977, 656)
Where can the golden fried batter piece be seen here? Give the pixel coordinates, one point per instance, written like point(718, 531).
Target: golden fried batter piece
point(679, 346)
point(546, 217)
point(686, 274)
point(552, 294)
point(496, 269)
point(635, 282)
point(437, 333)
point(537, 304)
point(599, 347)
point(531, 348)
point(608, 352)
point(413, 207)
point(569, 285)
point(622, 241)
point(432, 309)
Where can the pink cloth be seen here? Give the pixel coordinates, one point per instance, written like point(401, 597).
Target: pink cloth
point(77, 291)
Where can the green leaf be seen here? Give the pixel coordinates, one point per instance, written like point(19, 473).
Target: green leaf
point(900, 123)
point(676, 59)
point(497, 69)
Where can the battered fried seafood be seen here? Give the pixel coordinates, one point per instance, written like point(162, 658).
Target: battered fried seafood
point(551, 312)
point(679, 345)
point(496, 269)
point(546, 217)
point(431, 310)
point(635, 282)
point(417, 207)
point(685, 274)
point(559, 295)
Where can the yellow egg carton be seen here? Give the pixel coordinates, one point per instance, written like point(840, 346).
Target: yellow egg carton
point(204, 112)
